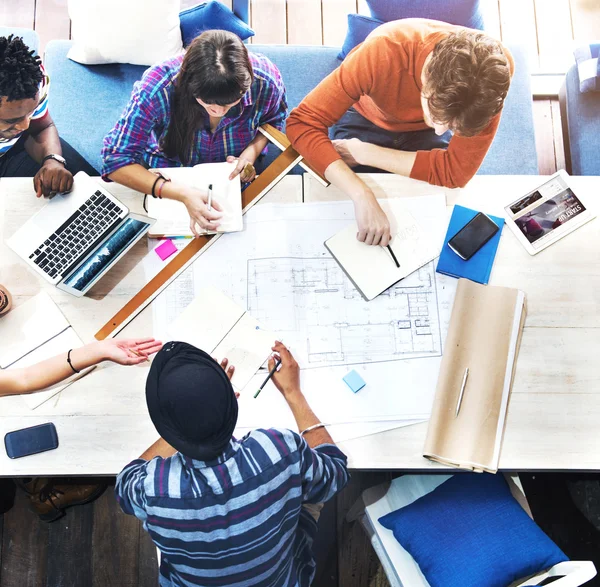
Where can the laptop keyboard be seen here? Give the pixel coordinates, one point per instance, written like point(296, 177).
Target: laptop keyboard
point(72, 239)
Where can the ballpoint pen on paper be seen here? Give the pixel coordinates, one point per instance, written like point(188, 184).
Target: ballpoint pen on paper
point(389, 248)
point(210, 196)
point(271, 372)
point(462, 391)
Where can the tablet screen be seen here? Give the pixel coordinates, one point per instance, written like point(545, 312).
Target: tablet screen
point(541, 212)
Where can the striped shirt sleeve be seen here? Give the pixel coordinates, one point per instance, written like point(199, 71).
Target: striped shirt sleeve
point(42, 107)
point(129, 488)
point(125, 143)
point(324, 471)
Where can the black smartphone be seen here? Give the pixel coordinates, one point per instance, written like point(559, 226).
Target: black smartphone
point(29, 441)
point(473, 235)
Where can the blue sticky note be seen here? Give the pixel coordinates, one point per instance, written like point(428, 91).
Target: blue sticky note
point(354, 381)
point(479, 266)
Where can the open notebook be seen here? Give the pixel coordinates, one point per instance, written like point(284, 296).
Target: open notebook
point(172, 218)
point(33, 332)
point(483, 336)
point(371, 269)
point(217, 325)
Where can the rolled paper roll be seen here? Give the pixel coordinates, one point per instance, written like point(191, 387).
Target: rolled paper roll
point(5, 300)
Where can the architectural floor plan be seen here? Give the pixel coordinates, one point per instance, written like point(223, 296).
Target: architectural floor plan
point(318, 306)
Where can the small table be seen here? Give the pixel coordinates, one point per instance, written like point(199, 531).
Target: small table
point(553, 416)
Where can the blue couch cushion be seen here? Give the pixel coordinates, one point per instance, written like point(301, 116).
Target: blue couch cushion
point(588, 66)
point(583, 122)
point(470, 530)
point(86, 101)
point(211, 15)
point(30, 37)
point(462, 12)
point(359, 28)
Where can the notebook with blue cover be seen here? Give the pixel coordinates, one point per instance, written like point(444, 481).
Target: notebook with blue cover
point(479, 266)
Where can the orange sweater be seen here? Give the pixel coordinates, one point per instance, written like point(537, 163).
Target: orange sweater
point(382, 79)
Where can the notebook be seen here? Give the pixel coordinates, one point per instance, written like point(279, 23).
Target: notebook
point(172, 218)
point(33, 332)
point(217, 325)
point(479, 267)
point(372, 269)
point(484, 336)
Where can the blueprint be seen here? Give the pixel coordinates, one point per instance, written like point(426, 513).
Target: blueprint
point(280, 271)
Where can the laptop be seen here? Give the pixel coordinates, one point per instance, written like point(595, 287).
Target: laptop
point(77, 237)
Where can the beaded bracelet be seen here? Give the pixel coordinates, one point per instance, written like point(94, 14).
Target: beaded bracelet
point(69, 361)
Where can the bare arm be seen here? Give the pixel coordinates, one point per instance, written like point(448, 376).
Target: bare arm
point(56, 369)
point(137, 177)
point(287, 380)
point(374, 226)
point(43, 140)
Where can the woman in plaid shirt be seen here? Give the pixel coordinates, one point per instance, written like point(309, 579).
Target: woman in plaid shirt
point(201, 107)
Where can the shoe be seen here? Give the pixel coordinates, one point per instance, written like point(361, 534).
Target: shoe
point(49, 498)
point(7, 495)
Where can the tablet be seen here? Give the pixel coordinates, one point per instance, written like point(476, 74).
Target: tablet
point(546, 214)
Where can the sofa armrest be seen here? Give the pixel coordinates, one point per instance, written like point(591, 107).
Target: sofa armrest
point(281, 141)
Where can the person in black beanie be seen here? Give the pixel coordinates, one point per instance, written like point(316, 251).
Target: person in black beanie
point(224, 511)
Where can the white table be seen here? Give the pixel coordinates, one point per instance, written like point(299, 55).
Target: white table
point(554, 410)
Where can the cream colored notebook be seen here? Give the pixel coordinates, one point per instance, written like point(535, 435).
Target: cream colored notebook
point(172, 218)
point(483, 336)
point(372, 270)
point(217, 325)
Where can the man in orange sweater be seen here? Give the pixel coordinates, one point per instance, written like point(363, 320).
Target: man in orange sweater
point(419, 98)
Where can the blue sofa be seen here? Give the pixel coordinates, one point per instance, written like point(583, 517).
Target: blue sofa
point(580, 114)
point(86, 101)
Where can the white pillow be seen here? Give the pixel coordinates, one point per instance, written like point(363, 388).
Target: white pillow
point(142, 32)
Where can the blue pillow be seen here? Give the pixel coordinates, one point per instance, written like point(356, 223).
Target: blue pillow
point(208, 16)
point(460, 12)
point(588, 67)
point(471, 531)
point(359, 28)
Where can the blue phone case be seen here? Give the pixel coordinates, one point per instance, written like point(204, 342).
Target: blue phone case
point(30, 441)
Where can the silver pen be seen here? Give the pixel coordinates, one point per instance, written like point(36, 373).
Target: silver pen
point(462, 391)
point(210, 196)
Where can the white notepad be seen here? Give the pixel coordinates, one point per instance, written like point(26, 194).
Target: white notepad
point(372, 268)
point(218, 326)
point(172, 218)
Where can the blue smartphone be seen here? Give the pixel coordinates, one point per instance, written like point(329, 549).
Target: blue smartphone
point(29, 441)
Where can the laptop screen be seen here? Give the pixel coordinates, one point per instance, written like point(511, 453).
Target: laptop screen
point(108, 253)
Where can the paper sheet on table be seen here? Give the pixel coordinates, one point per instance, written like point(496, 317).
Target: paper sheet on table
point(172, 218)
point(279, 270)
point(68, 339)
point(373, 269)
point(28, 326)
point(218, 326)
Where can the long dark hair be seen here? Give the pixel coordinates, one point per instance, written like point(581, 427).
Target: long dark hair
point(216, 68)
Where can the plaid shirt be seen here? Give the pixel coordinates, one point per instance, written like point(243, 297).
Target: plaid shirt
point(236, 521)
point(137, 136)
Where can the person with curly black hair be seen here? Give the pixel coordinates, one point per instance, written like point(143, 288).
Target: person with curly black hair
point(29, 141)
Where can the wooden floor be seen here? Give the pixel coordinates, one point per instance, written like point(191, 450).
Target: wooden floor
point(96, 545)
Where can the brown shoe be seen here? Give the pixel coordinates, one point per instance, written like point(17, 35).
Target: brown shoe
point(49, 498)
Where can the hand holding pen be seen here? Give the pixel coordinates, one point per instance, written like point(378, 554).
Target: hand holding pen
point(287, 377)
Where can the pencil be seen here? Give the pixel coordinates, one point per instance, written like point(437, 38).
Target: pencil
point(271, 372)
point(393, 256)
point(138, 354)
point(210, 196)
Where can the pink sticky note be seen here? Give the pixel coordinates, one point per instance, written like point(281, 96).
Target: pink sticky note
point(166, 249)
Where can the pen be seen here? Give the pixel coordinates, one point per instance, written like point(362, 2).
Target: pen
point(210, 196)
point(393, 256)
point(462, 391)
point(271, 372)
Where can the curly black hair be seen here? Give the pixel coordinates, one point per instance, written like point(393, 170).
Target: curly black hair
point(20, 71)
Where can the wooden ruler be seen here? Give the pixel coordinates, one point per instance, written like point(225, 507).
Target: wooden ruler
point(250, 196)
